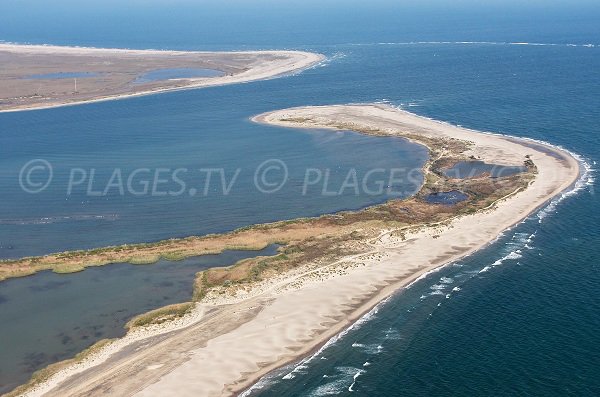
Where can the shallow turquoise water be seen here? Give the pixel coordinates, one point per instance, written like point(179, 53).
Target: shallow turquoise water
point(527, 325)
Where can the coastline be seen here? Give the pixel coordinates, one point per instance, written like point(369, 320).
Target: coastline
point(246, 386)
point(291, 62)
point(373, 278)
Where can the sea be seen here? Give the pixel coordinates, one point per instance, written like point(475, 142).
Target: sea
point(519, 317)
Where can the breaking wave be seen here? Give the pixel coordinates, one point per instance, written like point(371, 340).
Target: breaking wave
point(498, 43)
point(336, 56)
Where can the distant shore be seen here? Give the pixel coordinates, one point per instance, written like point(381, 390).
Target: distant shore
point(229, 342)
point(117, 68)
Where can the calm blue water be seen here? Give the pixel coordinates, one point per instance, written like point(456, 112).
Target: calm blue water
point(51, 317)
point(527, 325)
point(127, 157)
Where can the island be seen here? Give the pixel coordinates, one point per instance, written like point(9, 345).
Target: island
point(44, 76)
point(250, 318)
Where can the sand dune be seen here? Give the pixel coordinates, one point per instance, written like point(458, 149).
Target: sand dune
point(297, 314)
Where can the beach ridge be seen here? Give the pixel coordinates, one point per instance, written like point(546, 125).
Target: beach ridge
point(292, 317)
point(258, 65)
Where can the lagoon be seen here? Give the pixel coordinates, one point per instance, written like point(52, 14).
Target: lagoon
point(51, 317)
point(109, 161)
point(475, 169)
point(447, 198)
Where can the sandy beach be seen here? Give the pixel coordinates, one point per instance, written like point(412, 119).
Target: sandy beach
point(112, 72)
point(228, 343)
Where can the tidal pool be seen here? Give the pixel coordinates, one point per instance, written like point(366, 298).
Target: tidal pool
point(448, 198)
point(475, 168)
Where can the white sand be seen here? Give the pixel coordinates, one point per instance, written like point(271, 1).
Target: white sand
point(298, 318)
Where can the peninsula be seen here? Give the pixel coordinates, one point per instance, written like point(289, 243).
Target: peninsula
point(41, 76)
point(262, 313)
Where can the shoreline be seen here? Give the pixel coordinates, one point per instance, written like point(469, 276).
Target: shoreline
point(346, 306)
point(296, 62)
point(382, 297)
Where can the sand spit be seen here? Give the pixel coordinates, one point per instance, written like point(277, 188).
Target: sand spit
point(112, 73)
point(229, 343)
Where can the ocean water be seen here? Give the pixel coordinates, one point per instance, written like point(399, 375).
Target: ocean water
point(518, 318)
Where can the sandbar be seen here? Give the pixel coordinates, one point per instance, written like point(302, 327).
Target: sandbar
point(229, 341)
point(30, 74)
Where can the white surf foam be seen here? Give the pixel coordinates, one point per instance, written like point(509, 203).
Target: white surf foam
point(294, 369)
point(356, 375)
point(329, 60)
point(392, 334)
point(585, 181)
point(491, 43)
